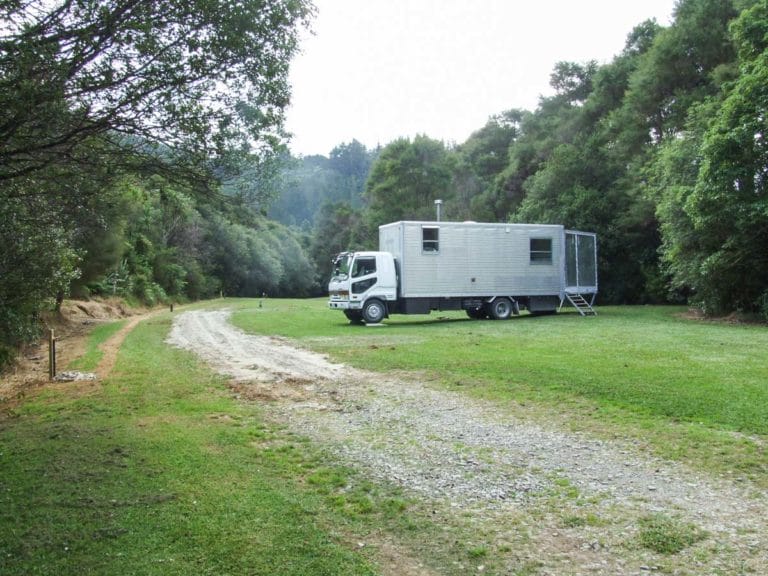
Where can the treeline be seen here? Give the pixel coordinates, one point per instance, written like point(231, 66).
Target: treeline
point(661, 151)
point(308, 184)
point(127, 169)
point(138, 140)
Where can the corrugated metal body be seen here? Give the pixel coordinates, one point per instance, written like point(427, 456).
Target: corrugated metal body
point(473, 259)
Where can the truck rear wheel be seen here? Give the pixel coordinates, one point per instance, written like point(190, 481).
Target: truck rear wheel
point(374, 311)
point(500, 308)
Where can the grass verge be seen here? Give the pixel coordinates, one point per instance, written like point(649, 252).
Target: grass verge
point(161, 471)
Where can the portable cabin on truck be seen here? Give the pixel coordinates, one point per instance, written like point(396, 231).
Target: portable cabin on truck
point(488, 270)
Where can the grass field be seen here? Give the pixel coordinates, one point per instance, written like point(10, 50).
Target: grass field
point(691, 390)
point(159, 470)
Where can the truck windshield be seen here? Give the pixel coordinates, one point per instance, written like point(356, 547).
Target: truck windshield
point(341, 266)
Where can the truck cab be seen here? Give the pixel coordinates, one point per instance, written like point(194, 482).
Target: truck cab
point(362, 284)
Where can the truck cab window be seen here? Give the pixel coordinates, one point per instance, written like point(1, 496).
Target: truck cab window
point(430, 239)
point(341, 266)
point(541, 250)
point(364, 266)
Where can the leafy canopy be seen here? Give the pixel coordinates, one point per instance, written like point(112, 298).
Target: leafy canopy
point(199, 77)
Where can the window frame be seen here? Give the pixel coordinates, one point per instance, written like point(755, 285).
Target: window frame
point(538, 255)
point(355, 272)
point(434, 242)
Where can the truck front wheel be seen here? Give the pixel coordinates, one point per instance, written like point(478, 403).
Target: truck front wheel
point(354, 316)
point(477, 313)
point(374, 311)
point(500, 309)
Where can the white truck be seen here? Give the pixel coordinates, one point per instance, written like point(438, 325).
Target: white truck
point(489, 270)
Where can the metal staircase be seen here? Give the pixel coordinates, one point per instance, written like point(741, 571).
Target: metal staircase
point(581, 304)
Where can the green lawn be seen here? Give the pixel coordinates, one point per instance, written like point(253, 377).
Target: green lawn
point(160, 470)
point(689, 389)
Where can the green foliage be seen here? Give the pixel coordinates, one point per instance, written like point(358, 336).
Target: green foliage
point(339, 228)
point(586, 157)
point(572, 81)
point(644, 150)
point(255, 180)
point(677, 71)
point(72, 72)
point(37, 263)
point(167, 244)
point(479, 163)
point(246, 263)
point(729, 204)
point(114, 125)
point(353, 162)
point(716, 217)
point(309, 183)
point(256, 259)
point(298, 277)
point(406, 179)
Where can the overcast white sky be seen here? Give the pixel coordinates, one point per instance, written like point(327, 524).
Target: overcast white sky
point(376, 70)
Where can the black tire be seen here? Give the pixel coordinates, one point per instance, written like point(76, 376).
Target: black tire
point(500, 309)
point(476, 313)
point(374, 311)
point(354, 316)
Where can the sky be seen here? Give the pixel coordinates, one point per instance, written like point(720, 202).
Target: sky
point(378, 70)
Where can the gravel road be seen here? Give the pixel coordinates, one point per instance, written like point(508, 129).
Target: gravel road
point(473, 457)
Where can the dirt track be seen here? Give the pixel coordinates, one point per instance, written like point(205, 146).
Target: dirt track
point(470, 457)
point(72, 325)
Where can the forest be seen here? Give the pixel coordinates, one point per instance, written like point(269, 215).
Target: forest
point(143, 155)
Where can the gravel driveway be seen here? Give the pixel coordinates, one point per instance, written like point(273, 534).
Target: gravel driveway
point(474, 458)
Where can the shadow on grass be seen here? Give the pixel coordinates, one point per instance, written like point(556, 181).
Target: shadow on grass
point(425, 320)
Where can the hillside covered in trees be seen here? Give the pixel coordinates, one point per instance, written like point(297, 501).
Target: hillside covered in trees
point(661, 151)
point(142, 154)
point(137, 142)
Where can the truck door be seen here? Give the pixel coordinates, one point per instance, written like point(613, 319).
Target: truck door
point(363, 274)
point(580, 262)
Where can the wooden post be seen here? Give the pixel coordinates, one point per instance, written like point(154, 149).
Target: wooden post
point(51, 354)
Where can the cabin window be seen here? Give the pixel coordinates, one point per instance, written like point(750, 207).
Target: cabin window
point(430, 239)
point(541, 250)
point(363, 266)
